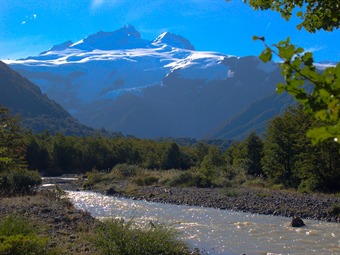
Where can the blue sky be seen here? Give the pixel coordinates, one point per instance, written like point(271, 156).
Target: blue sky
point(28, 27)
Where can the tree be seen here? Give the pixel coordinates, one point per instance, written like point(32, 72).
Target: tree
point(210, 168)
point(37, 156)
point(315, 14)
point(14, 176)
point(323, 99)
point(171, 157)
point(67, 157)
point(281, 147)
point(254, 154)
point(202, 150)
point(291, 159)
point(12, 145)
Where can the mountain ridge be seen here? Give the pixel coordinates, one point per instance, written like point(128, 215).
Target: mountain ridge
point(154, 89)
point(36, 111)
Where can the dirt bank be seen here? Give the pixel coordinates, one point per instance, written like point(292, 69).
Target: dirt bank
point(262, 201)
point(66, 227)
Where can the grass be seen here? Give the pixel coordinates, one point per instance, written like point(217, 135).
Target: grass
point(232, 192)
point(263, 194)
point(117, 237)
point(42, 224)
point(47, 224)
point(20, 236)
point(134, 175)
point(16, 225)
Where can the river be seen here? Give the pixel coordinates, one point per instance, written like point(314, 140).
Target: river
point(219, 231)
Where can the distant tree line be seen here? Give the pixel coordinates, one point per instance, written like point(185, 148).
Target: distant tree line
point(284, 156)
point(60, 154)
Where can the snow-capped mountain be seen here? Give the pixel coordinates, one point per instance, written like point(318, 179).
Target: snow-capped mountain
point(148, 88)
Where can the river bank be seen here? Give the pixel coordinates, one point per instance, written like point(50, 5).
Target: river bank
point(261, 201)
point(324, 207)
point(63, 229)
point(67, 228)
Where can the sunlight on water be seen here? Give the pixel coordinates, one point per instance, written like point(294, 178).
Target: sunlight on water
point(220, 231)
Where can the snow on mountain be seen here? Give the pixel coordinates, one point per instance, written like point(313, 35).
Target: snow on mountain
point(110, 64)
point(201, 65)
point(324, 64)
point(173, 40)
point(124, 38)
point(118, 80)
point(61, 46)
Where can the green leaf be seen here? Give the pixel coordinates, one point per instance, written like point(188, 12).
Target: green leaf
point(320, 134)
point(287, 52)
point(280, 88)
point(299, 14)
point(266, 55)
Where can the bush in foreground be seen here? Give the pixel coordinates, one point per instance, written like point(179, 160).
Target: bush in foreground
point(19, 236)
point(117, 237)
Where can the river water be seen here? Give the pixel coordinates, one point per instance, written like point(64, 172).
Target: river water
point(220, 231)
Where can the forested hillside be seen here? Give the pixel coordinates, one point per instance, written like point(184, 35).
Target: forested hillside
point(284, 158)
point(37, 112)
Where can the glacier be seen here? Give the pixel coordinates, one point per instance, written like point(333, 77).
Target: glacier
point(148, 88)
point(125, 62)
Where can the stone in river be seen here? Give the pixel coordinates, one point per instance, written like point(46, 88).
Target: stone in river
point(297, 222)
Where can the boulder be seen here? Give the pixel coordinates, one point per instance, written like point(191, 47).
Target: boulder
point(297, 222)
point(111, 191)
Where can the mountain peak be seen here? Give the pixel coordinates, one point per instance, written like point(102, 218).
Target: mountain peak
point(61, 46)
point(174, 40)
point(126, 37)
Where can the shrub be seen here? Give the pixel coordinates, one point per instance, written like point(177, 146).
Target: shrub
point(257, 182)
point(126, 170)
point(20, 244)
point(307, 186)
point(183, 179)
point(116, 237)
point(19, 181)
point(18, 236)
point(93, 178)
point(15, 225)
point(145, 180)
point(277, 187)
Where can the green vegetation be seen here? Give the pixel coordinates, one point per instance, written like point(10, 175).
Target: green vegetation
point(15, 178)
point(19, 236)
point(317, 91)
point(60, 154)
point(315, 14)
point(284, 159)
point(118, 237)
point(38, 225)
point(335, 209)
point(37, 111)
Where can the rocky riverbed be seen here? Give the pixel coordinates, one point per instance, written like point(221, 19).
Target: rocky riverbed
point(255, 200)
point(261, 201)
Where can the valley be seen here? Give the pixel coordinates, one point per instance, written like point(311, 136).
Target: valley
point(150, 89)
